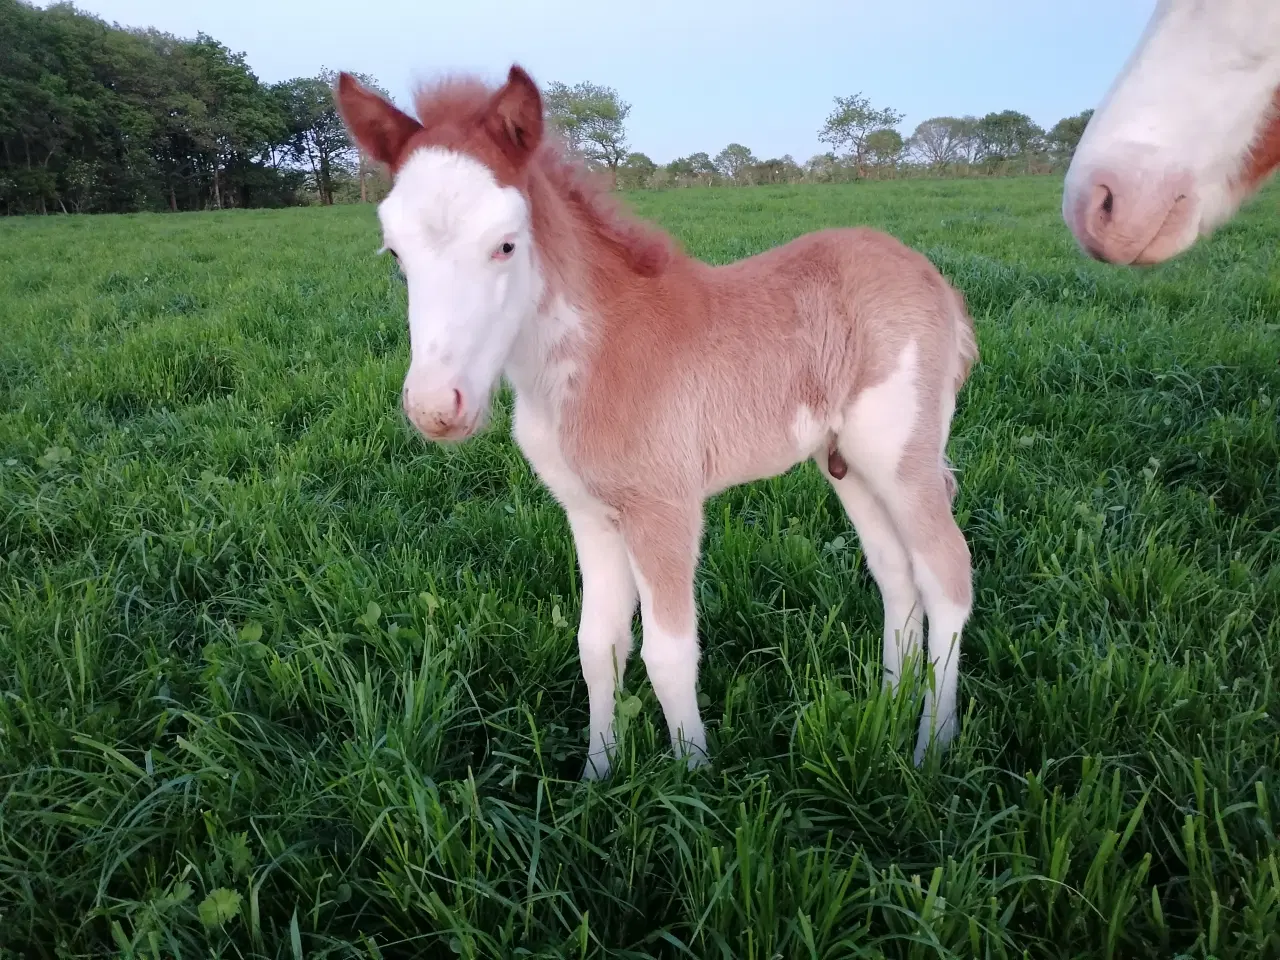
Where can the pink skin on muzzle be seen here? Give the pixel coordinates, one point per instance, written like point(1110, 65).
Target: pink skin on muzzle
point(1132, 217)
point(440, 413)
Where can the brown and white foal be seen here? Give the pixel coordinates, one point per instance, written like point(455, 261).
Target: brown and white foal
point(646, 381)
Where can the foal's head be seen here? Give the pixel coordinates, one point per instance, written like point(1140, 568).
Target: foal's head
point(1188, 131)
point(458, 222)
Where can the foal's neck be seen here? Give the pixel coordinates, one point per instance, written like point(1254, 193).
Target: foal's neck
point(588, 252)
point(548, 349)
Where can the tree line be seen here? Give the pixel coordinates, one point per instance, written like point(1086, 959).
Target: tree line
point(99, 118)
point(864, 139)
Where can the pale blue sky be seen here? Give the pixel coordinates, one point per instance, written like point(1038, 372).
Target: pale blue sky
point(699, 73)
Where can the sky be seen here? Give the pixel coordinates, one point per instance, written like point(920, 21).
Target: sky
point(699, 74)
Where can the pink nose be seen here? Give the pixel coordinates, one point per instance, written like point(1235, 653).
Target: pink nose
point(439, 414)
point(1129, 216)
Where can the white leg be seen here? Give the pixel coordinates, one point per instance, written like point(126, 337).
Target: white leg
point(947, 618)
point(662, 542)
point(604, 630)
point(890, 566)
point(901, 467)
point(940, 564)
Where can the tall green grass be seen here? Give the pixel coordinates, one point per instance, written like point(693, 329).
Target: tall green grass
point(277, 678)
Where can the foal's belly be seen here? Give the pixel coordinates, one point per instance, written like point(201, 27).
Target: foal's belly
point(758, 456)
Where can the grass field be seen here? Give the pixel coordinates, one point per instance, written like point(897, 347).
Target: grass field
point(277, 678)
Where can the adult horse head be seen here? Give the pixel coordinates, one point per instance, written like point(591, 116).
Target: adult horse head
point(1189, 130)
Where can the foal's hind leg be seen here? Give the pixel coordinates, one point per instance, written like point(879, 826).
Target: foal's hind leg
point(890, 567)
point(893, 435)
point(941, 565)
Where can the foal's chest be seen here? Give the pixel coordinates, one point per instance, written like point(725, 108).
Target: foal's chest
point(535, 433)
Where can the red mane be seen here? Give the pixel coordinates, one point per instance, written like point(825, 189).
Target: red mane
point(647, 249)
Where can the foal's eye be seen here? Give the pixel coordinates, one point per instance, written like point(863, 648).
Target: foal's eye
point(504, 251)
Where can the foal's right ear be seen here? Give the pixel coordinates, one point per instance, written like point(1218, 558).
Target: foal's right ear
point(380, 128)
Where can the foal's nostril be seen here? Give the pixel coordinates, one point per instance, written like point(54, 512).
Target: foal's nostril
point(1108, 201)
point(457, 402)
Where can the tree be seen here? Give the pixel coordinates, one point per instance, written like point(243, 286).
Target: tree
point(1007, 136)
point(1065, 136)
point(823, 168)
point(938, 141)
point(240, 117)
point(968, 141)
point(782, 169)
point(695, 168)
point(317, 136)
point(635, 172)
point(734, 162)
point(851, 122)
point(884, 147)
point(592, 120)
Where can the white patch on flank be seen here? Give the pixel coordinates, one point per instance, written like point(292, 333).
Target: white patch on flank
point(881, 418)
point(807, 430)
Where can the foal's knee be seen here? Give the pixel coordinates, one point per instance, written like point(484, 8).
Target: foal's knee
point(671, 662)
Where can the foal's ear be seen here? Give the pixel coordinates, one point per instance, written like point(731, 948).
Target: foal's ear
point(515, 115)
point(380, 128)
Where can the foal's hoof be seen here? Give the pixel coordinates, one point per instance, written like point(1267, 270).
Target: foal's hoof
point(922, 748)
point(942, 738)
point(694, 757)
point(596, 767)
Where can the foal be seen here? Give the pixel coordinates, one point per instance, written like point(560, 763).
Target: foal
point(646, 381)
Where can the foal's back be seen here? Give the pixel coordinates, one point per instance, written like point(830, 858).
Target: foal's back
point(852, 294)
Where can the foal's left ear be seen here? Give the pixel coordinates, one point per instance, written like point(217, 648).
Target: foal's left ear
point(515, 115)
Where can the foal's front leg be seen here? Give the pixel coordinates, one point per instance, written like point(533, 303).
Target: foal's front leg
point(604, 630)
point(662, 540)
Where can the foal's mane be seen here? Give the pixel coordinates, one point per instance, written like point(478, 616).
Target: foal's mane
point(646, 249)
point(456, 108)
point(451, 104)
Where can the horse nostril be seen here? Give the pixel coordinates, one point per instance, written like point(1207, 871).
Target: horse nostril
point(457, 402)
point(1108, 201)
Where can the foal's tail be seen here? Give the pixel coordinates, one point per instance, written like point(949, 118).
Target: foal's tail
point(967, 351)
point(966, 340)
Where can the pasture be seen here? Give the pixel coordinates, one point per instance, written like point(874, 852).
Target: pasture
point(278, 678)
